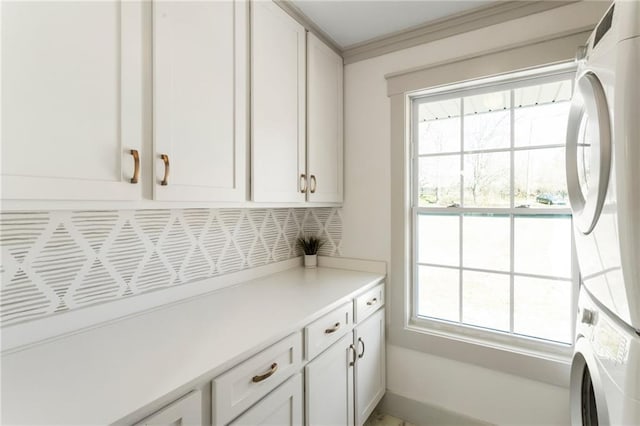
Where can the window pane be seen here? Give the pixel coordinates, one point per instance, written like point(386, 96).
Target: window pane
point(486, 121)
point(485, 300)
point(542, 246)
point(439, 181)
point(438, 292)
point(439, 136)
point(542, 308)
point(486, 180)
point(439, 127)
point(540, 179)
point(487, 130)
point(541, 124)
point(486, 242)
point(439, 239)
point(541, 94)
point(438, 110)
point(487, 102)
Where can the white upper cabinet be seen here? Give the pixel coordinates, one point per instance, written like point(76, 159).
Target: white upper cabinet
point(296, 111)
point(324, 122)
point(71, 100)
point(200, 100)
point(134, 100)
point(277, 105)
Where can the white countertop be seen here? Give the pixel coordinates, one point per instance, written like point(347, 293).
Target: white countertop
point(101, 375)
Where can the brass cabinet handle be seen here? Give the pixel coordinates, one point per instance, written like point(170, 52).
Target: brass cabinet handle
point(355, 354)
point(165, 179)
point(303, 183)
point(372, 301)
point(362, 342)
point(136, 165)
point(261, 377)
point(333, 329)
point(314, 184)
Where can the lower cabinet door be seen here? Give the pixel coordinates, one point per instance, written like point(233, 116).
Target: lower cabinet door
point(329, 385)
point(370, 367)
point(281, 407)
point(186, 411)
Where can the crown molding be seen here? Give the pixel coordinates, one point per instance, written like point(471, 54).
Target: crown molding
point(297, 14)
point(446, 27)
point(553, 49)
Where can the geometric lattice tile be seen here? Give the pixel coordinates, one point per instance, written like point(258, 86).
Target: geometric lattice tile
point(58, 261)
point(327, 223)
point(125, 252)
point(214, 241)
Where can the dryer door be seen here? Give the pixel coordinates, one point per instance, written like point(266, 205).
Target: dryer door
point(588, 159)
point(588, 402)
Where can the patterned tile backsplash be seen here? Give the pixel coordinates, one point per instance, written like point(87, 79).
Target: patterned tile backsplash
point(57, 261)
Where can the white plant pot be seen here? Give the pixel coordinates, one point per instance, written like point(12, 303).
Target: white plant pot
point(310, 260)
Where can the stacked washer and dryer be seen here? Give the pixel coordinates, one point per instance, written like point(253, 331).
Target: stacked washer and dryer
point(603, 178)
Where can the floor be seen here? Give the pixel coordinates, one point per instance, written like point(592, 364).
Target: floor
point(379, 419)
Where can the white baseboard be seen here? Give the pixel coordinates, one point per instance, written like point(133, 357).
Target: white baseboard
point(423, 414)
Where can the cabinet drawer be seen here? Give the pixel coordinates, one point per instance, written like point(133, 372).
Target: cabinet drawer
point(282, 407)
point(243, 385)
point(185, 411)
point(323, 332)
point(369, 302)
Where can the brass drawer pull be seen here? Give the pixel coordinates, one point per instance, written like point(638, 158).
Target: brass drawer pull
point(314, 184)
point(165, 179)
point(355, 355)
point(261, 377)
point(303, 183)
point(372, 301)
point(362, 342)
point(333, 329)
point(136, 165)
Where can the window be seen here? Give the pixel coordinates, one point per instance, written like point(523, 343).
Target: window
point(491, 221)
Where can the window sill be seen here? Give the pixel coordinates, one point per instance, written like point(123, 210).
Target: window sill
point(523, 345)
point(540, 361)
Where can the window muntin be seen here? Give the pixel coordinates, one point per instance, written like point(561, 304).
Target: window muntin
point(491, 219)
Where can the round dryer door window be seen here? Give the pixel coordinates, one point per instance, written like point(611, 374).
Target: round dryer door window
point(588, 152)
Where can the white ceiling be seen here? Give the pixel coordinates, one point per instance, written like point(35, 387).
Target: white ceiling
point(349, 22)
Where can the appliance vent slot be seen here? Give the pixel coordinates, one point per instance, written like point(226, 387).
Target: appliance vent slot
point(604, 26)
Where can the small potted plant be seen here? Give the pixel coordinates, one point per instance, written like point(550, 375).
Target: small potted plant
point(310, 246)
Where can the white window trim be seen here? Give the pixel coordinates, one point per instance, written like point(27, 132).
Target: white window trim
point(517, 360)
point(508, 339)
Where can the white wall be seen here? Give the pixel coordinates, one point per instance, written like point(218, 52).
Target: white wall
point(475, 391)
point(479, 393)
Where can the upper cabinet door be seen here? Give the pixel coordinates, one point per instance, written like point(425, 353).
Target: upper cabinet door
point(277, 105)
point(71, 100)
point(324, 122)
point(200, 100)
